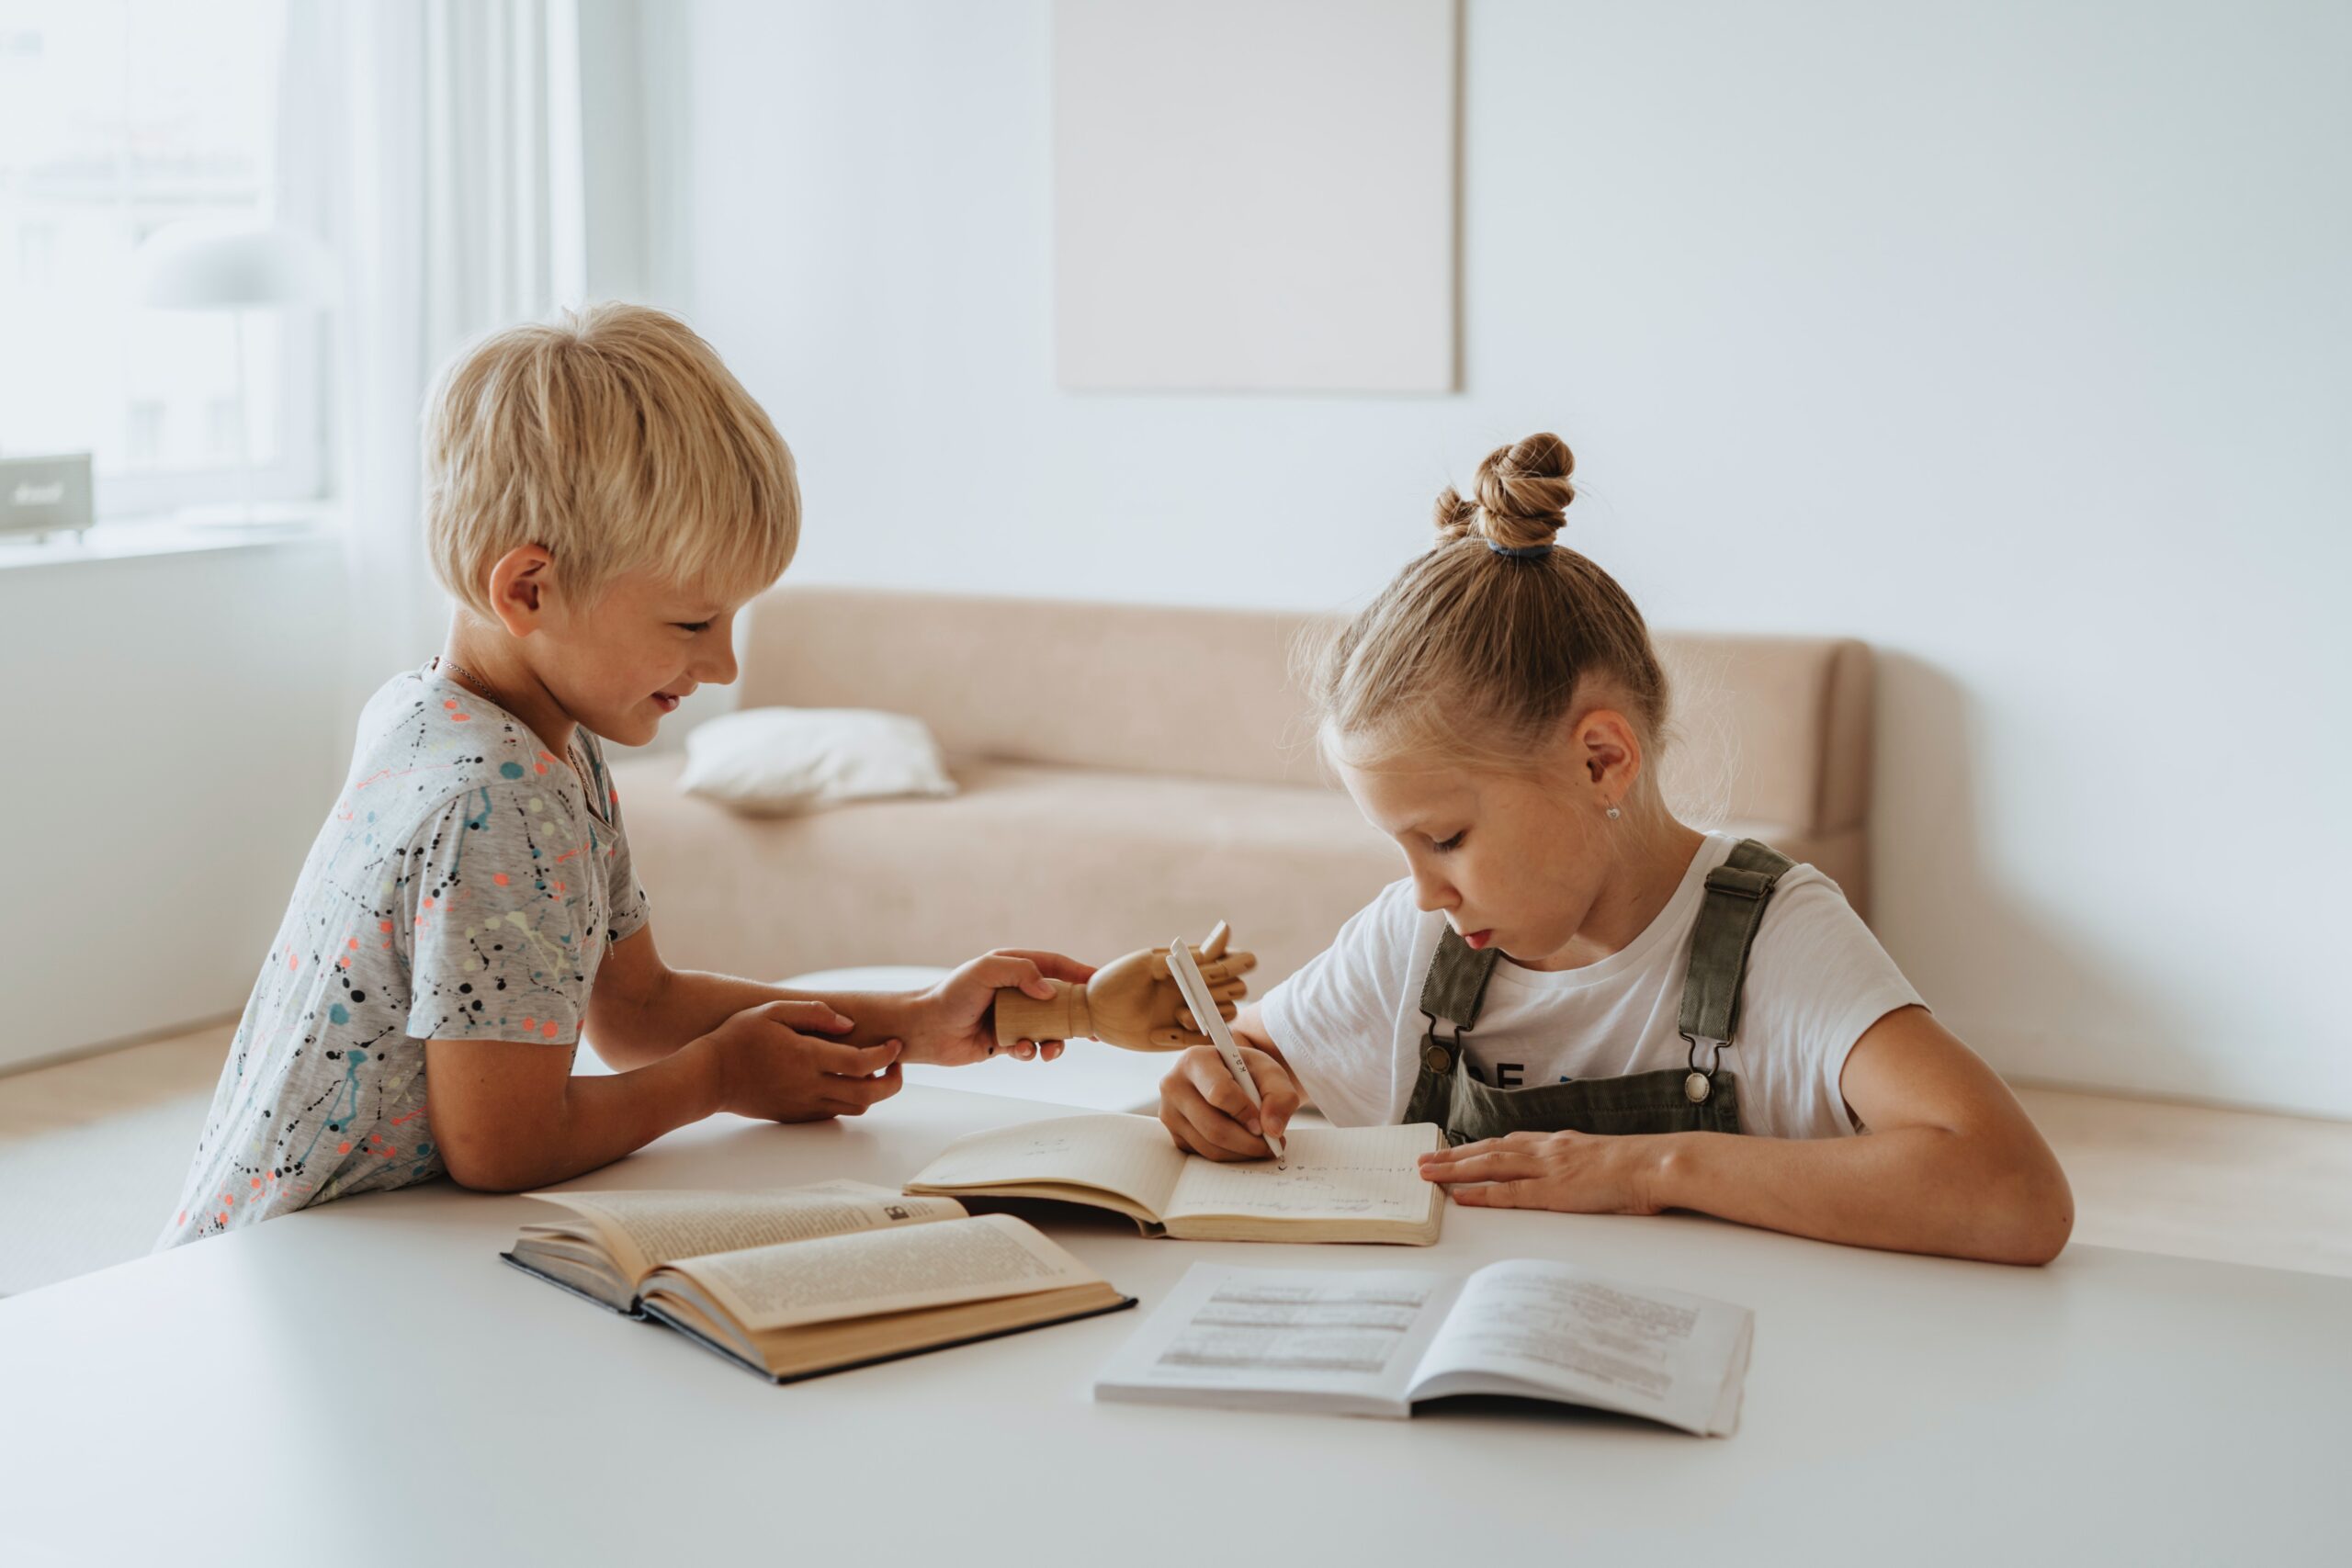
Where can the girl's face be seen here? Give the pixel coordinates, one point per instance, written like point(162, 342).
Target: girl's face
point(1515, 862)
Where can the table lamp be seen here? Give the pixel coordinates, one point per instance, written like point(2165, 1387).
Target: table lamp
point(239, 267)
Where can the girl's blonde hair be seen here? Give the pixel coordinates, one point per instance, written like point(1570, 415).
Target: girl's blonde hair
point(613, 439)
point(1473, 656)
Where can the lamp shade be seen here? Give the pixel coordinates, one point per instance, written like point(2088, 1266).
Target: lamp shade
point(214, 267)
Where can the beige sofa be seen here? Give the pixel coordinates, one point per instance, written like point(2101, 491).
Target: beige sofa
point(1130, 773)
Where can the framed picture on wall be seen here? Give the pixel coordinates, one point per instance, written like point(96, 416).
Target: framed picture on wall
point(1255, 194)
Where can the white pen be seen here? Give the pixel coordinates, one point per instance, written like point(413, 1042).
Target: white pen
point(1198, 997)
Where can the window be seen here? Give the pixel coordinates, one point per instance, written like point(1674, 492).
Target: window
point(116, 117)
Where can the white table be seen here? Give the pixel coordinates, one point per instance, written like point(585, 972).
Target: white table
point(366, 1379)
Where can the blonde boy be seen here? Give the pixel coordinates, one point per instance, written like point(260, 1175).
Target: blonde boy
point(602, 497)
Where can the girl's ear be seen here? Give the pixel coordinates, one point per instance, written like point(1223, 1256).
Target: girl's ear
point(519, 586)
point(1609, 751)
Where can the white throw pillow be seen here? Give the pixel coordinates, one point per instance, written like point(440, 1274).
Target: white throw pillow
point(771, 761)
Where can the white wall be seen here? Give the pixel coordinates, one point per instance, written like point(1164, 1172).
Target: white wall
point(2010, 337)
point(173, 734)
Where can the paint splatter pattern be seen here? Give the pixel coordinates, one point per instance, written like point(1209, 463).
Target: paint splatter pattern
point(466, 884)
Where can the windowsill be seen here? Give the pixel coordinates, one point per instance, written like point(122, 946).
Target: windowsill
point(189, 532)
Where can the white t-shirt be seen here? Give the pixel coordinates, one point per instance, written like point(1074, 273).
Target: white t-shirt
point(1350, 1021)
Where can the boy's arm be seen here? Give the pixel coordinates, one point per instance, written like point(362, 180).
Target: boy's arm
point(1951, 1165)
point(640, 1010)
point(507, 1114)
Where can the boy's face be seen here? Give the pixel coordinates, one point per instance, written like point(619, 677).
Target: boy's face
point(620, 666)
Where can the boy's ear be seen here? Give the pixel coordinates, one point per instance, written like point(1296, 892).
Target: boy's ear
point(519, 588)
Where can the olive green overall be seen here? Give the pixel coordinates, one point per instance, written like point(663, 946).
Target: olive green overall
point(1703, 1098)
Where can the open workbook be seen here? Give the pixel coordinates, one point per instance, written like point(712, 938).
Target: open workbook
point(1377, 1343)
point(811, 1280)
point(1335, 1184)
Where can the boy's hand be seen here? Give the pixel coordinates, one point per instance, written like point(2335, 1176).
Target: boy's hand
point(954, 1021)
point(772, 1069)
point(1205, 1111)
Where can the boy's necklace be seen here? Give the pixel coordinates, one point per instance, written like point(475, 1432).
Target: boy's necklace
point(473, 683)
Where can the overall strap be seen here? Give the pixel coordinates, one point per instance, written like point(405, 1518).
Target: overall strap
point(1453, 990)
point(1456, 985)
point(1737, 891)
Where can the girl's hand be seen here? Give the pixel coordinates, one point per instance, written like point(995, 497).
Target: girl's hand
point(1574, 1172)
point(1205, 1111)
point(954, 1023)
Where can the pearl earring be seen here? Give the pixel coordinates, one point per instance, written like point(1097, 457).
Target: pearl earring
point(1612, 813)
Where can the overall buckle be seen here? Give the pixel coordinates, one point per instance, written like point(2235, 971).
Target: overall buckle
point(1439, 1054)
point(1701, 1081)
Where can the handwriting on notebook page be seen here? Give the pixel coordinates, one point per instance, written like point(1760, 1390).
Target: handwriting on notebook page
point(1353, 1173)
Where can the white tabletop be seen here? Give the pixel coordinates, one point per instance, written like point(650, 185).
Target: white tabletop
point(366, 1380)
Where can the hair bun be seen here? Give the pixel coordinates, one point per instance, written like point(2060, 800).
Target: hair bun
point(1456, 518)
point(1523, 492)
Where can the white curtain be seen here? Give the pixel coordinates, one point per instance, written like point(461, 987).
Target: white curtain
point(435, 144)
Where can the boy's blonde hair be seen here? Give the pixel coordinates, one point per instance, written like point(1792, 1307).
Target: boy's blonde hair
point(613, 439)
point(1471, 656)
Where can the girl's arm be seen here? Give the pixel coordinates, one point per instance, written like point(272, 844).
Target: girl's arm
point(1951, 1163)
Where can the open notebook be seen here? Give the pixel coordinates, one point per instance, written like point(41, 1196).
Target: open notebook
point(1336, 1184)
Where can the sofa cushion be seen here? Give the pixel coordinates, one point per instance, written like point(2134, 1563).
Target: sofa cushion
point(775, 761)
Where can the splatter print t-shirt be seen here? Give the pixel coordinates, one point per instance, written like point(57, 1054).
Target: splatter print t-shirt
point(466, 886)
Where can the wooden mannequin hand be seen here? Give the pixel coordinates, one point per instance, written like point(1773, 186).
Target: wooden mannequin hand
point(1135, 1001)
point(960, 1020)
point(1132, 1001)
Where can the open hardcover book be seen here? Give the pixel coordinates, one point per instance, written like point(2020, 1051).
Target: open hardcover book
point(811, 1280)
point(1336, 1184)
point(1377, 1343)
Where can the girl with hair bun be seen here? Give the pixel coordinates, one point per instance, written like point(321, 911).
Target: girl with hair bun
point(1606, 1010)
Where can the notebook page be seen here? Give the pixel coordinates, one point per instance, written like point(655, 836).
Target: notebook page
point(1329, 1173)
point(1646, 1351)
point(1131, 1156)
point(882, 1271)
point(1253, 1336)
point(664, 1226)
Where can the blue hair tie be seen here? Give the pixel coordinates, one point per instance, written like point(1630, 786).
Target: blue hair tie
point(1521, 552)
